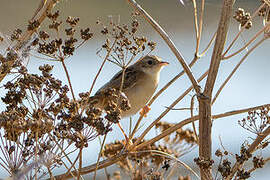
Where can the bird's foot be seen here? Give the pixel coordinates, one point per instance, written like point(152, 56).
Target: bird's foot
point(145, 110)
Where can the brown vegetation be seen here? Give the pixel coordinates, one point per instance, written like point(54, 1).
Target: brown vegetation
point(44, 123)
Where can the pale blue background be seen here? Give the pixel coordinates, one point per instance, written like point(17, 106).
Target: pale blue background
point(249, 87)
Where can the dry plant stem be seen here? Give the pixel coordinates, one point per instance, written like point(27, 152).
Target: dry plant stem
point(41, 4)
point(198, 30)
point(267, 2)
point(165, 112)
point(195, 118)
point(40, 16)
point(36, 151)
point(235, 69)
point(160, 92)
point(91, 168)
point(208, 45)
point(80, 164)
point(66, 156)
point(71, 173)
point(120, 90)
point(201, 23)
point(205, 121)
point(191, 115)
point(169, 42)
point(99, 155)
point(251, 149)
point(50, 173)
point(242, 29)
point(116, 158)
point(248, 43)
point(68, 78)
point(105, 59)
point(196, 25)
point(167, 155)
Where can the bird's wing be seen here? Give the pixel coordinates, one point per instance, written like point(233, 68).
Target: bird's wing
point(132, 76)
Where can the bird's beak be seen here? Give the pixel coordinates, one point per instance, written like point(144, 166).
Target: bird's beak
point(163, 63)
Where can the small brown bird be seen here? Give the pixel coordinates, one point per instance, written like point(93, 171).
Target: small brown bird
point(140, 82)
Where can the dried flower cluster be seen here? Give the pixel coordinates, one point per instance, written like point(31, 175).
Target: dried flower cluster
point(40, 117)
point(148, 158)
point(225, 165)
point(243, 17)
point(58, 47)
point(150, 162)
point(179, 136)
point(122, 42)
point(256, 121)
point(264, 12)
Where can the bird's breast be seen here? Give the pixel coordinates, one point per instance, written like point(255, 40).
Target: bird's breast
point(140, 94)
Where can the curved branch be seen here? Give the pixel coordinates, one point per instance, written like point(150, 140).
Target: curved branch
point(169, 42)
point(39, 15)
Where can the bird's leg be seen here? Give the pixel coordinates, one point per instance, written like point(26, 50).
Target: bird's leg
point(128, 142)
point(145, 110)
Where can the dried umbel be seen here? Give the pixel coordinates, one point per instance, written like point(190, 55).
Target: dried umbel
point(122, 41)
point(40, 114)
point(179, 136)
point(204, 163)
point(256, 121)
point(53, 47)
point(243, 17)
point(146, 158)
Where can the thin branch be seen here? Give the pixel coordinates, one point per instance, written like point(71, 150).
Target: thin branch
point(80, 164)
point(195, 118)
point(251, 149)
point(169, 156)
point(40, 15)
point(68, 78)
point(99, 155)
point(105, 59)
point(242, 29)
point(208, 45)
point(92, 168)
point(196, 25)
point(165, 112)
point(117, 157)
point(191, 115)
point(219, 46)
point(169, 42)
point(195, 59)
point(235, 69)
point(249, 42)
point(205, 122)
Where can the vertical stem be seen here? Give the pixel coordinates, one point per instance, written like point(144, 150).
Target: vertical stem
point(68, 78)
point(205, 113)
point(36, 155)
point(80, 164)
point(99, 155)
point(99, 71)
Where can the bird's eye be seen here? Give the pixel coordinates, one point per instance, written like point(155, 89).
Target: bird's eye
point(150, 62)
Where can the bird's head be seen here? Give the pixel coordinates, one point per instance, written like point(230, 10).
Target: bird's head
point(150, 64)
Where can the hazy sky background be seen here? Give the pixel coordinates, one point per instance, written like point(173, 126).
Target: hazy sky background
point(249, 87)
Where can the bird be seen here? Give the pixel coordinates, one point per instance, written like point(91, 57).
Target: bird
point(140, 81)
